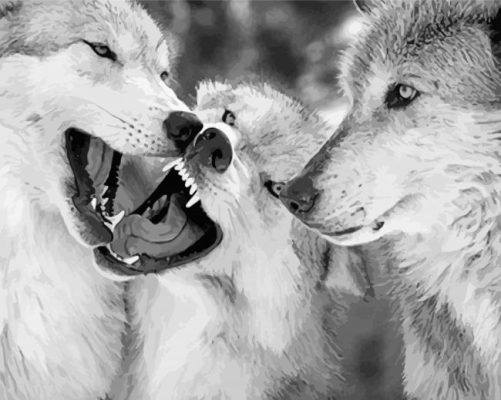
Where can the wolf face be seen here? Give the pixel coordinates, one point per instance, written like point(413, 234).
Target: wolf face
point(420, 146)
point(253, 141)
point(85, 88)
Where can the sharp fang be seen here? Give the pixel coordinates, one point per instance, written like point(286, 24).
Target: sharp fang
point(172, 164)
point(184, 174)
point(189, 182)
point(195, 199)
point(179, 166)
point(114, 220)
point(93, 203)
point(193, 189)
point(130, 260)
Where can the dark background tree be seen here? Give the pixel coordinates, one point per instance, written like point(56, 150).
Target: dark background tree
point(295, 45)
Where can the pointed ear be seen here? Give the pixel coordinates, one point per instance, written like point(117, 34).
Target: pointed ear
point(364, 6)
point(348, 272)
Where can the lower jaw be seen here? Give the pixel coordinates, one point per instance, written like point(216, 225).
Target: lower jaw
point(99, 237)
point(150, 265)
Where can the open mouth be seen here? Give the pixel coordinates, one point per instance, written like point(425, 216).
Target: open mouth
point(168, 229)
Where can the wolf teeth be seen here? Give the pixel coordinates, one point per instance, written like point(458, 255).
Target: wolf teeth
point(128, 260)
point(113, 220)
point(189, 182)
point(195, 199)
point(179, 166)
point(184, 174)
point(172, 164)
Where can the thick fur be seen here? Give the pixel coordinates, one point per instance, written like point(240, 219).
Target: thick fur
point(430, 172)
point(256, 318)
point(60, 320)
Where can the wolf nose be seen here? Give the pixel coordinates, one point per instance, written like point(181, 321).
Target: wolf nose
point(182, 127)
point(214, 149)
point(299, 195)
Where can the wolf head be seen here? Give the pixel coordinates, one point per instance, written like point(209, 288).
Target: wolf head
point(419, 148)
point(254, 140)
point(85, 87)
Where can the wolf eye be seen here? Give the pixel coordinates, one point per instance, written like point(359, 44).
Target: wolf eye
point(274, 187)
point(229, 118)
point(400, 96)
point(164, 75)
point(102, 50)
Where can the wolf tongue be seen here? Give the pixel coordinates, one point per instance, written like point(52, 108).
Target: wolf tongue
point(137, 235)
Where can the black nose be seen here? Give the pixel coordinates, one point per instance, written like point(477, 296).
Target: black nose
point(299, 195)
point(214, 149)
point(182, 127)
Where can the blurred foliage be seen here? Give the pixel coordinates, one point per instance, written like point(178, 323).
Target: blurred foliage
point(295, 45)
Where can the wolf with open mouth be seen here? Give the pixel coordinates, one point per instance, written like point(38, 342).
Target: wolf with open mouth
point(254, 318)
point(85, 92)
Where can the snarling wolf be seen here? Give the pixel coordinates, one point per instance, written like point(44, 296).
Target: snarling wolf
point(415, 169)
point(255, 318)
point(85, 88)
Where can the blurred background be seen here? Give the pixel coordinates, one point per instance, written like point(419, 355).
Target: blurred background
point(295, 45)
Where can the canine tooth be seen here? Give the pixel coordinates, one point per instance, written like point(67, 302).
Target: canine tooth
point(193, 188)
point(179, 166)
point(189, 182)
point(195, 199)
point(115, 219)
point(172, 164)
point(93, 203)
point(184, 174)
point(108, 246)
point(130, 260)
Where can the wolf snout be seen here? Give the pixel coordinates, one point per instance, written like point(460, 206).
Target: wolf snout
point(182, 127)
point(299, 195)
point(214, 149)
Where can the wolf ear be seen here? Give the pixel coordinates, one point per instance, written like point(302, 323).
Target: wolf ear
point(364, 6)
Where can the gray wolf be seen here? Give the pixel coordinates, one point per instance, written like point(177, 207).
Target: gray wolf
point(414, 172)
point(84, 89)
point(256, 317)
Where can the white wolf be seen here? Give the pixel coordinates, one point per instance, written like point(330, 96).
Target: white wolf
point(82, 82)
point(256, 318)
point(416, 163)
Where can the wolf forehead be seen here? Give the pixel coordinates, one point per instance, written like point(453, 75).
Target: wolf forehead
point(411, 33)
point(278, 132)
point(39, 27)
